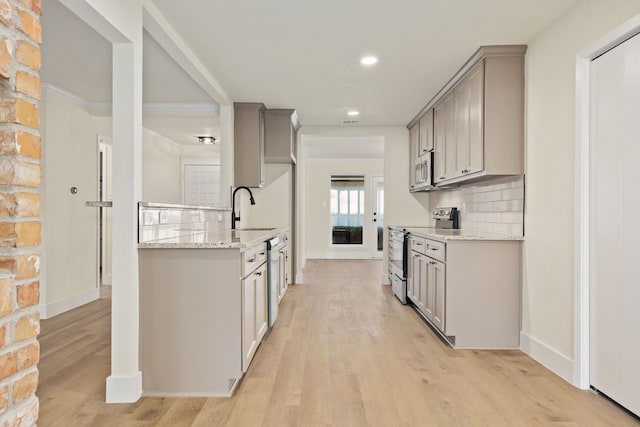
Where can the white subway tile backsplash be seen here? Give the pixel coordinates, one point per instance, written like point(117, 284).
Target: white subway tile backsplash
point(485, 207)
point(493, 196)
point(513, 194)
point(494, 206)
point(478, 197)
point(512, 217)
point(493, 217)
point(501, 206)
point(516, 206)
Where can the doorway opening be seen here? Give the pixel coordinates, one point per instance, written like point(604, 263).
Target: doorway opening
point(377, 212)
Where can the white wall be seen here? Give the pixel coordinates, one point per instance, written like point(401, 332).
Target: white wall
point(273, 201)
point(69, 158)
point(401, 206)
point(317, 217)
point(161, 170)
point(548, 285)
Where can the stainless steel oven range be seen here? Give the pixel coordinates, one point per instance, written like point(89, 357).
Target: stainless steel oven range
point(398, 247)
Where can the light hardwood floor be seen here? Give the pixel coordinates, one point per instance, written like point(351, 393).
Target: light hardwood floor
point(344, 352)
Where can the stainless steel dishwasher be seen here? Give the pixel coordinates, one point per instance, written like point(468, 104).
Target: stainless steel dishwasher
point(274, 252)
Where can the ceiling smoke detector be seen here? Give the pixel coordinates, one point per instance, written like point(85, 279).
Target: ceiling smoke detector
point(207, 140)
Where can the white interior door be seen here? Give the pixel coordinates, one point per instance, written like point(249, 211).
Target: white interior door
point(614, 292)
point(377, 211)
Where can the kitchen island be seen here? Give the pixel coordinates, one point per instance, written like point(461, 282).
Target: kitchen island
point(203, 301)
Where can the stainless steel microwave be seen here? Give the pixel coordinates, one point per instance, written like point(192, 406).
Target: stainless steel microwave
point(424, 171)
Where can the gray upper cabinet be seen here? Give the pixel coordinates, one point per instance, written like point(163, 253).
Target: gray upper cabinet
point(280, 135)
point(426, 134)
point(414, 136)
point(478, 118)
point(249, 144)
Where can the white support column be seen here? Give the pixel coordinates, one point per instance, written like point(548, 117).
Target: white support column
point(125, 382)
point(226, 153)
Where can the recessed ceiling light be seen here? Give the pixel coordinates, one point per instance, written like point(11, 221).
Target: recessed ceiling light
point(208, 140)
point(353, 113)
point(369, 60)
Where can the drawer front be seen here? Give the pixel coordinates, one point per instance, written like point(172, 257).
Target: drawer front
point(436, 250)
point(253, 257)
point(418, 244)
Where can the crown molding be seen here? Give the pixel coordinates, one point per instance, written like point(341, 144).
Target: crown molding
point(104, 108)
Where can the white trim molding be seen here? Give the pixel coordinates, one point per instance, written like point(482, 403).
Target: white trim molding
point(50, 310)
point(548, 357)
point(580, 374)
point(299, 279)
point(385, 280)
point(124, 389)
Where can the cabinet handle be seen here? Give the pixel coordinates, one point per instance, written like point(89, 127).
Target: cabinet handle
point(434, 249)
point(442, 177)
point(259, 273)
point(262, 253)
point(252, 260)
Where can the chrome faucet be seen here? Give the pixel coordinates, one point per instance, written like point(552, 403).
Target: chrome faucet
point(235, 217)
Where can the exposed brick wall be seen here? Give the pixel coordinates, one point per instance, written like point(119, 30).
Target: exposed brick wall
point(20, 229)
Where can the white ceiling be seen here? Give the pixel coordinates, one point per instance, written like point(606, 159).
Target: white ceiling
point(326, 147)
point(305, 55)
point(289, 54)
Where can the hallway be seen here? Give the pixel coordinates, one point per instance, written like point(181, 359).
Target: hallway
point(344, 352)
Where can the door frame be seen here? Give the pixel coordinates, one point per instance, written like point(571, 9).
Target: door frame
point(622, 33)
point(375, 253)
point(102, 277)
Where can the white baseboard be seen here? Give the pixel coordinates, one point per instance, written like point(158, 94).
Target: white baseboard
point(299, 279)
point(124, 389)
point(61, 306)
point(385, 280)
point(548, 357)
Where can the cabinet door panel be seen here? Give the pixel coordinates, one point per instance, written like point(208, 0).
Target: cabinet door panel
point(414, 136)
point(426, 134)
point(475, 145)
point(438, 300)
point(261, 311)
point(423, 284)
point(428, 289)
point(461, 128)
point(249, 342)
point(414, 278)
point(450, 135)
point(439, 137)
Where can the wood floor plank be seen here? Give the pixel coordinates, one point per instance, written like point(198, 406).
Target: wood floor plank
point(344, 352)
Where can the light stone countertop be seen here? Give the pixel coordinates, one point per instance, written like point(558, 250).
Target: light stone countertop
point(159, 205)
point(214, 239)
point(445, 235)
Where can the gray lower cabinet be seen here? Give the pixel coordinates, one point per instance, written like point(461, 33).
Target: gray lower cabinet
point(203, 314)
point(190, 321)
point(254, 313)
point(468, 290)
